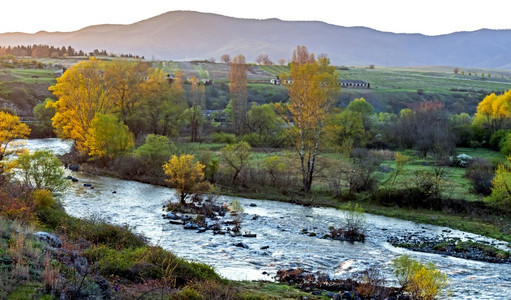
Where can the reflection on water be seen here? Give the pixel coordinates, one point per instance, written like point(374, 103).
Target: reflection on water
point(279, 228)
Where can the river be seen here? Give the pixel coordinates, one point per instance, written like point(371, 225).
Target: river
point(278, 226)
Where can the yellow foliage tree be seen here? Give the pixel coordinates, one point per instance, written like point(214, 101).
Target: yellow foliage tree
point(125, 78)
point(81, 93)
point(186, 176)
point(11, 128)
point(311, 93)
point(107, 137)
point(501, 185)
point(494, 111)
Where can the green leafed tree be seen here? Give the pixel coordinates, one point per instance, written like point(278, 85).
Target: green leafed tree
point(156, 150)
point(41, 170)
point(236, 157)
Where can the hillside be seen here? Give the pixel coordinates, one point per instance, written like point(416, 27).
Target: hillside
point(181, 35)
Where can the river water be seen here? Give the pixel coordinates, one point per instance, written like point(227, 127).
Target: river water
point(279, 227)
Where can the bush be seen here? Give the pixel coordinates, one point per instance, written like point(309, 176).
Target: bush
point(461, 160)
point(223, 137)
point(421, 281)
point(43, 199)
point(480, 173)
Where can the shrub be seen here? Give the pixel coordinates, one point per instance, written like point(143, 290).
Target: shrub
point(223, 137)
point(43, 199)
point(421, 281)
point(461, 160)
point(480, 173)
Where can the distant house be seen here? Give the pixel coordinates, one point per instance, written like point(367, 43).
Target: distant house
point(215, 115)
point(275, 81)
point(354, 83)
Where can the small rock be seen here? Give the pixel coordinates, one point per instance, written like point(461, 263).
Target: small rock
point(201, 230)
point(316, 293)
point(250, 235)
point(330, 294)
point(191, 225)
point(114, 192)
point(172, 216)
point(48, 238)
point(253, 205)
point(176, 222)
point(264, 247)
point(69, 177)
point(255, 217)
point(336, 297)
point(74, 167)
point(74, 179)
point(347, 295)
point(87, 184)
point(241, 245)
point(312, 234)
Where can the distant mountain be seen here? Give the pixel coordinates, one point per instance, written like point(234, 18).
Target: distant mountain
point(185, 35)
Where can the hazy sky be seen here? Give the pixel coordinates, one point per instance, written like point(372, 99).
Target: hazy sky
point(430, 17)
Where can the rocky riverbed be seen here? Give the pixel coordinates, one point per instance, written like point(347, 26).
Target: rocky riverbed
point(456, 247)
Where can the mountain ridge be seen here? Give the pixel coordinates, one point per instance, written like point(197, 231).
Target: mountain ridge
point(183, 35)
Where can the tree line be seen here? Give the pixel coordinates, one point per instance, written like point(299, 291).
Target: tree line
point(44, 51)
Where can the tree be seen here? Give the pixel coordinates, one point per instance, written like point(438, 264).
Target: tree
point(494, 112)
point(456, 70)
point(311, 93)
point(361, 106)
point(42, 170)
point(156, 150)
point(11, 128)
point(163, 105)
point(263, 59)
point(108, 137)
point(238, 89)
point(347, 128)
point(194, 113)
point(501, 185)
point(236, 157)
point(264, 123)
point(282, 61)
point(43, 114)
point(186, 176)
point(225, 58)
point(81, 94)
point(125, 80)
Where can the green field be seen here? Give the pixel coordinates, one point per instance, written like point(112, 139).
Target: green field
point(29, 76)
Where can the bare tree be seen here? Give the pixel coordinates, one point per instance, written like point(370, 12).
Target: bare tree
point(226, 58)
point(263, 59)
point(282, 61)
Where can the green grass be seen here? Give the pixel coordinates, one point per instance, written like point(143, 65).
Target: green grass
point(203, 73)
point(488, 154)
point(27, 76)
point(395, 88)
point(275, 70)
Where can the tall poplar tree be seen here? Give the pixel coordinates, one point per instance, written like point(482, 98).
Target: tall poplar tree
point(311, 93)
point(238, 89)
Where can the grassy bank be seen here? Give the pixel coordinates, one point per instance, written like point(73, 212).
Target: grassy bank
point(99, 260)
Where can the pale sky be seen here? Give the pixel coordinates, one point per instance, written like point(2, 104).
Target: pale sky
point(432, 17)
